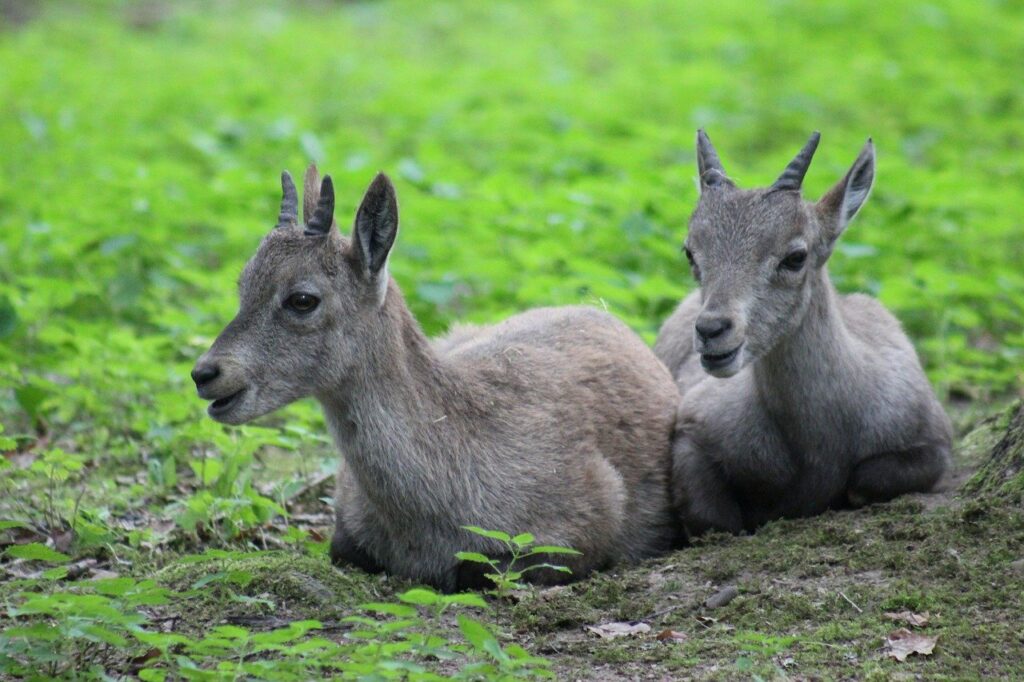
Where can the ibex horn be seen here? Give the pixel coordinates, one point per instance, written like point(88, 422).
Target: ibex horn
point(323, 218)
point(289, 201)
point(708, 161)
point(793, 176)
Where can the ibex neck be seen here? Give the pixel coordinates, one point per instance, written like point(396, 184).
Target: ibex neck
point(813, 364)
point(385, 416)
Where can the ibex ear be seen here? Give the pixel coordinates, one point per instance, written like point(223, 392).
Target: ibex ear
point(837, 208)
point(709, 167)
point(376, 226)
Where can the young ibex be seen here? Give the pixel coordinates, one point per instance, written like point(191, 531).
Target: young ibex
point(815, 400)
point(556, 421)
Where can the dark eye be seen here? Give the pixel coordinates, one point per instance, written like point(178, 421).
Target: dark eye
point(302, 303)
point(794, 262)
point(693, 263)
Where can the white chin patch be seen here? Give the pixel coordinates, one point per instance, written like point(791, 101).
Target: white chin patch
point(725, 372)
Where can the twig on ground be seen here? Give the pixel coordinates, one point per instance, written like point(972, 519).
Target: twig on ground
point(850, 602)
point(664, 612)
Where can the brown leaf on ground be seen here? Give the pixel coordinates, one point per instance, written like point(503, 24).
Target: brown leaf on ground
point(901, 643)
point(917, 620)
point(672, 636)
point(613, 630)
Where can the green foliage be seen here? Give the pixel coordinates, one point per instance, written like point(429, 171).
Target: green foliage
point(90, 629)
point(516, 559)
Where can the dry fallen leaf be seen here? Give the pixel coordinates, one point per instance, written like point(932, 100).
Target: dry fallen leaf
point(613, 630)
point(901, 643)
point(672, 636)
point(917, 620)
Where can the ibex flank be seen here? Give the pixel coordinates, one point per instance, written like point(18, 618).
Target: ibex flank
point(794, 398)
point(557, 421)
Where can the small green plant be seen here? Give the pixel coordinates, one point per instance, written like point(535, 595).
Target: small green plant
point(77, 631)
point(89, 630)
point(518, 559)
point(758, 647)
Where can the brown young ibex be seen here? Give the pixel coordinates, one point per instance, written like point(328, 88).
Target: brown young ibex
point(557, 421)
point(814, 399)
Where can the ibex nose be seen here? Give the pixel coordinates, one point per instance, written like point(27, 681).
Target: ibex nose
point(709, 328)
point(204, 373)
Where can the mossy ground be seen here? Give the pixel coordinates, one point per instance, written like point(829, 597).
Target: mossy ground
point(811, 604)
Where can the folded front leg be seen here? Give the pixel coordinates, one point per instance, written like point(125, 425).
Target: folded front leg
point(701, 492)
point(886, 475)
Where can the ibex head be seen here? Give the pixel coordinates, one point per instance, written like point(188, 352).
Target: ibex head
point(308, 298)
point(755, 253)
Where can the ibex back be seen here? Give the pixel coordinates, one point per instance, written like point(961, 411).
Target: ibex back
point(814, 399)
point(557, 421)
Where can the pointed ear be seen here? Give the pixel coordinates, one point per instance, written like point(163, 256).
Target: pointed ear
point(310, 192)
point(376, 225)
point(837, 208)
point(709, 167)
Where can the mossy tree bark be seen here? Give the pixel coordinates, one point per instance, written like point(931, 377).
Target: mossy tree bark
point(1003, 472)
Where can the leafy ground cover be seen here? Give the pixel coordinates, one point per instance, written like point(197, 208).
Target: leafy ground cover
point(543, 155)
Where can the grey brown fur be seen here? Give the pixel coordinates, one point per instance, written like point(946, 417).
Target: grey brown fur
point(557, 421)
point(794, 398)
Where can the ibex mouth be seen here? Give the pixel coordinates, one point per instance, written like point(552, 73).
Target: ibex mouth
point(222, 405)
point(713, 362)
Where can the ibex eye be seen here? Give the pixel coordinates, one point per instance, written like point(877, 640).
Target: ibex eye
point(302, 303)
point(794, 261)
point(693, 263)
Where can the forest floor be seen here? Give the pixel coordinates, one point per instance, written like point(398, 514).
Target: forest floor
point(816, 598)
point(810, 599)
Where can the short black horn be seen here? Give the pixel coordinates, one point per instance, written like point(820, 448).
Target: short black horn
point(793, 176)
point(709, 166)
point(323, 217)
point(289, 201)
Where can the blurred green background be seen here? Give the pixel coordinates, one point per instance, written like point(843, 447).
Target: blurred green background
point(543, 153)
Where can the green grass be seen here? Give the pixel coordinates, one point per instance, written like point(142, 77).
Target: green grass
point(543, 155)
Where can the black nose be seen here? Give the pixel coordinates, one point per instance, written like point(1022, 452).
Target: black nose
point(712, 327)
point(204, 373)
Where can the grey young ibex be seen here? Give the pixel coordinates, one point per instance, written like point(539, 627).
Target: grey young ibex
point(557, 421)
point(814, 400)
